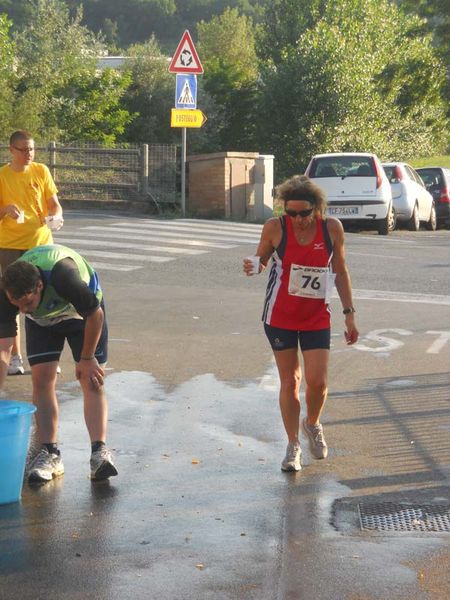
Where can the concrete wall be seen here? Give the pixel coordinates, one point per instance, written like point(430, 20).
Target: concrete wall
point(230, 185)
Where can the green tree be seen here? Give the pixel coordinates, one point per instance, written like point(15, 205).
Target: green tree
point(6, 75)
point(58, 91)
point(226, 47)
point(359, 80)
point(284, 22)
point(437, 15)
point(150, 95)
point(132, 20)
point(437, 21)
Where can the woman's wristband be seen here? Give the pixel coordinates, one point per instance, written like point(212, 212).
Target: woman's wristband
point(348, 311)
point(87, 357)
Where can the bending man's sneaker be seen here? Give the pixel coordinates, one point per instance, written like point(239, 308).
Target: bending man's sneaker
point(316, 439)
point(45, 466)
point(16, 365)
point(291, 461)
point(102, 465)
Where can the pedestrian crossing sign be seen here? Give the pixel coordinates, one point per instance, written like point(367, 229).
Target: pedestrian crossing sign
point(186, 90)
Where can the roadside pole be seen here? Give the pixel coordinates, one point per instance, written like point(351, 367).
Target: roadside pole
point(183, 171)
point(186, 65)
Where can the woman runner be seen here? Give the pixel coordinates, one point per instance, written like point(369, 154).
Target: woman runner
point(307, 251)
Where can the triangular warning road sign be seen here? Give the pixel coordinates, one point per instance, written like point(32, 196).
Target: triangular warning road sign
point(185, 59)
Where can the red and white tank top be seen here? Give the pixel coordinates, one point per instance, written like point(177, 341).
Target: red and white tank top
point(296, 295)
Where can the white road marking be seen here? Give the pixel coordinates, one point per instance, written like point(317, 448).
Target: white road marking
point(176, 237)
point(230, 224)
point(101, 266)
point(126, 256)
point(437, 345)
point(383, 256)
point(193, 232)
point(399, 297)
point(155, 238)
point(388, 343)
point(140, 247)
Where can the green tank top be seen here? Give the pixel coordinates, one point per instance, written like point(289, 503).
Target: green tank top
point(52, 305)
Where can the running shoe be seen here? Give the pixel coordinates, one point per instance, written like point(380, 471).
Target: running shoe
point(316, 439)
point(291, 462)
point(45, 466)
point(102, 465)
point(16, 365)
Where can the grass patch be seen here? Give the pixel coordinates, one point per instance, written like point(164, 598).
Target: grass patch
point(432, 161)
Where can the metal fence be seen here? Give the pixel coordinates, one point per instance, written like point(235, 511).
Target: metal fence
point(124, 173)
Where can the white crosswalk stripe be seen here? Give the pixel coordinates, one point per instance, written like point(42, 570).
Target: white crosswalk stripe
point(187, 230)
point(130, 245)
point(130, 234)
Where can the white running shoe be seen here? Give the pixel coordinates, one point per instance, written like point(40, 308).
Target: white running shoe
point(316, 439)
point(102, 465)
point(45, 466)
point(291, 462)
point(16, 365)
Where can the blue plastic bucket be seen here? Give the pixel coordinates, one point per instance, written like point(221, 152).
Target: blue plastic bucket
point(15, 424)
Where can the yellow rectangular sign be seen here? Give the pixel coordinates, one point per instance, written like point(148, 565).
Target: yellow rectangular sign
point(187, 117)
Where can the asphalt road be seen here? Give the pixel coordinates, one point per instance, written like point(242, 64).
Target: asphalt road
point(200, 509)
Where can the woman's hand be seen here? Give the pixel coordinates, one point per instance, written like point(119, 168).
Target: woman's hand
point(351, 333)
point(248, 267)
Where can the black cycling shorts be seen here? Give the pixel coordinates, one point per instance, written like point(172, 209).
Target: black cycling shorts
point(284, 339)
point(45, 344)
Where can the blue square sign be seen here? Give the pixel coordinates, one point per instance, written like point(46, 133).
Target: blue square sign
point(186, 90)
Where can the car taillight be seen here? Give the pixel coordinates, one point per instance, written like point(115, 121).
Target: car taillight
point(377, 173)
point(445, 197)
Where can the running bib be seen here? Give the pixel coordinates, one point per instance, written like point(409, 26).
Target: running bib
point(311, 282)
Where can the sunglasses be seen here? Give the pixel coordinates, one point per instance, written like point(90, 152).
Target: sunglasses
point(24, 150)
point(299, 213)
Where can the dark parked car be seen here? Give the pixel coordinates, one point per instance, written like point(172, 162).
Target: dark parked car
point(437, 182)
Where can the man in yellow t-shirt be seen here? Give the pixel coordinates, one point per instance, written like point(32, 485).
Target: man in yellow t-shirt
point(28, 196)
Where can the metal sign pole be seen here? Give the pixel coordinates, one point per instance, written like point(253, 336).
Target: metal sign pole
point(183, 171)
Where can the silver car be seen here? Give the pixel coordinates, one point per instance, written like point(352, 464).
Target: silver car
point(412, 202)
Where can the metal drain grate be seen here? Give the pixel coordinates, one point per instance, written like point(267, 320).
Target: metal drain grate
point(388, 516)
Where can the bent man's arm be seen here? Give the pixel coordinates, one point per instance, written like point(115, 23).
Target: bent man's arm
point(88, 368)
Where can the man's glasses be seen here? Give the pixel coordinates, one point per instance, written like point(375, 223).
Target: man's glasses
point(24, 150)
point(299, 213)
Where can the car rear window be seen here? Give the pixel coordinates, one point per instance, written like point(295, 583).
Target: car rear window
point(342, 166)
point(390, 172)
point(431, 177)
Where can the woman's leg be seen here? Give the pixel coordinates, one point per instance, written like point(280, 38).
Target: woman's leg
point(290, 378)
point(316, 380)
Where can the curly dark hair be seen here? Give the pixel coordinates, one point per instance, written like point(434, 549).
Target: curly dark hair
point(301, 187)
point(20, 278)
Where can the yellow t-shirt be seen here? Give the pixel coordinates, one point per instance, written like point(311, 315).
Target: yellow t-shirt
point(29, 191)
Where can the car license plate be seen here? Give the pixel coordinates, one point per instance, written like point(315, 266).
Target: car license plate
point(343, 211)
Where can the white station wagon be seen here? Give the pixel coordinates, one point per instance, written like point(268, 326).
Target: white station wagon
point(357, 188)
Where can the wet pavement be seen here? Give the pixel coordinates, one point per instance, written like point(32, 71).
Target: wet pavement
point(200, 509)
